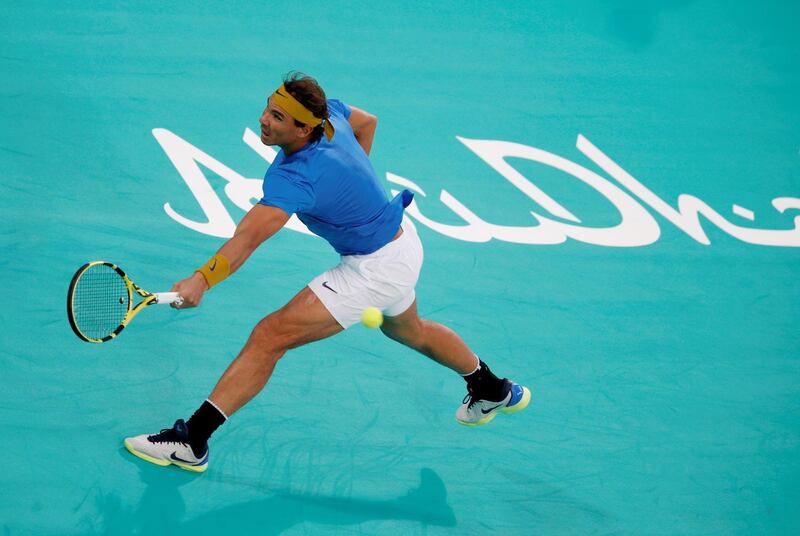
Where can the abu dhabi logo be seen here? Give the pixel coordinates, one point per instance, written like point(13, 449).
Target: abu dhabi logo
point(636, 203)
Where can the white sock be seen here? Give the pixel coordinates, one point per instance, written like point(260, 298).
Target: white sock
point(217, 408)
point(477, 367)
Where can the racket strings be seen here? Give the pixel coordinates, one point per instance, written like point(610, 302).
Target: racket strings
point(100, 301)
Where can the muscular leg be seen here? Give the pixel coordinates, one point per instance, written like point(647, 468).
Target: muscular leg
point(303, 320)
point(436, 341)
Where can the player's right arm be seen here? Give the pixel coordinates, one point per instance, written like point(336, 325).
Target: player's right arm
point(364, 125)
point(260, 223)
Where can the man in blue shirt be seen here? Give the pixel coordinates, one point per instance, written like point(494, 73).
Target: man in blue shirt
point(323, 174)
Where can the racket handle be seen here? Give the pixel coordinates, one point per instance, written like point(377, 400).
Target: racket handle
point(168, 297)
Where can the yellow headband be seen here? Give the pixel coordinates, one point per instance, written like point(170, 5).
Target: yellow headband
point(282, 98)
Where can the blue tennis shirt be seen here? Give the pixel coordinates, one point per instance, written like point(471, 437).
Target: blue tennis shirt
point(334, 190)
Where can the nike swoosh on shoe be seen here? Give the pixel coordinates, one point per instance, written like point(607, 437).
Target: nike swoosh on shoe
point(485, 411)
point(182, 460)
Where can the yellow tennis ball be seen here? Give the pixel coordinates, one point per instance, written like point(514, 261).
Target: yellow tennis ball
point(372, 317)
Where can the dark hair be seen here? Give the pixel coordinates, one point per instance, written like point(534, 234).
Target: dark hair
point(308, 92)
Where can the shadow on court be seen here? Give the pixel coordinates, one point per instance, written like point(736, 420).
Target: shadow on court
point(161, 509)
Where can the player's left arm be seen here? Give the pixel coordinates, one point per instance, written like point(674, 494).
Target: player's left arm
point(260, 223)
point(364, 125)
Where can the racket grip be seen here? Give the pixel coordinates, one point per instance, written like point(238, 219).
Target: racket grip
point(168, 297)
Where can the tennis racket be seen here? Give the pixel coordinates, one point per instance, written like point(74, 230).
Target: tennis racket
point(100, 301)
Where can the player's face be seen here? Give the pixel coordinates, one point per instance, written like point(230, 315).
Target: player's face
point(278, 127)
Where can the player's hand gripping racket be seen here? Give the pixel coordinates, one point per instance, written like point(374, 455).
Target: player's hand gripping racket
point(100, 301)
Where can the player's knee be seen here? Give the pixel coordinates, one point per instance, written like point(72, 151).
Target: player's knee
point(411, 334)
point(267, 336)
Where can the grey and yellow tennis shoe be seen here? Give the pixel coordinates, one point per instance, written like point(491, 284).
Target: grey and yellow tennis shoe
point(475, 411)
point(169, 446)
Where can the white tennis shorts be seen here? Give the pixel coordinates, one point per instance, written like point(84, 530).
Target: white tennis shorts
point(384, 279)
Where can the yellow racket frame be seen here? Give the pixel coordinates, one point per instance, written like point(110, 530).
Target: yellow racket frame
point(148, 299)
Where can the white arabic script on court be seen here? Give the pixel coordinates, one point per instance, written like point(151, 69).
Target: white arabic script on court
point(637, 225)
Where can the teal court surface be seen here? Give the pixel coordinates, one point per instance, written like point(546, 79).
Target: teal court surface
point(608, 195)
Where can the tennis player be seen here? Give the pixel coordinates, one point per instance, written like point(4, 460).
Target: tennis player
point(323, 174)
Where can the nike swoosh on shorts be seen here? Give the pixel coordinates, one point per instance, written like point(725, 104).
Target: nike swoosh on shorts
point(325, 284)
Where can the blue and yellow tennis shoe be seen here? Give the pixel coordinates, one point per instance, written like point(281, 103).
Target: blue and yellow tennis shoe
point(169, 446)
point(475, 411)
